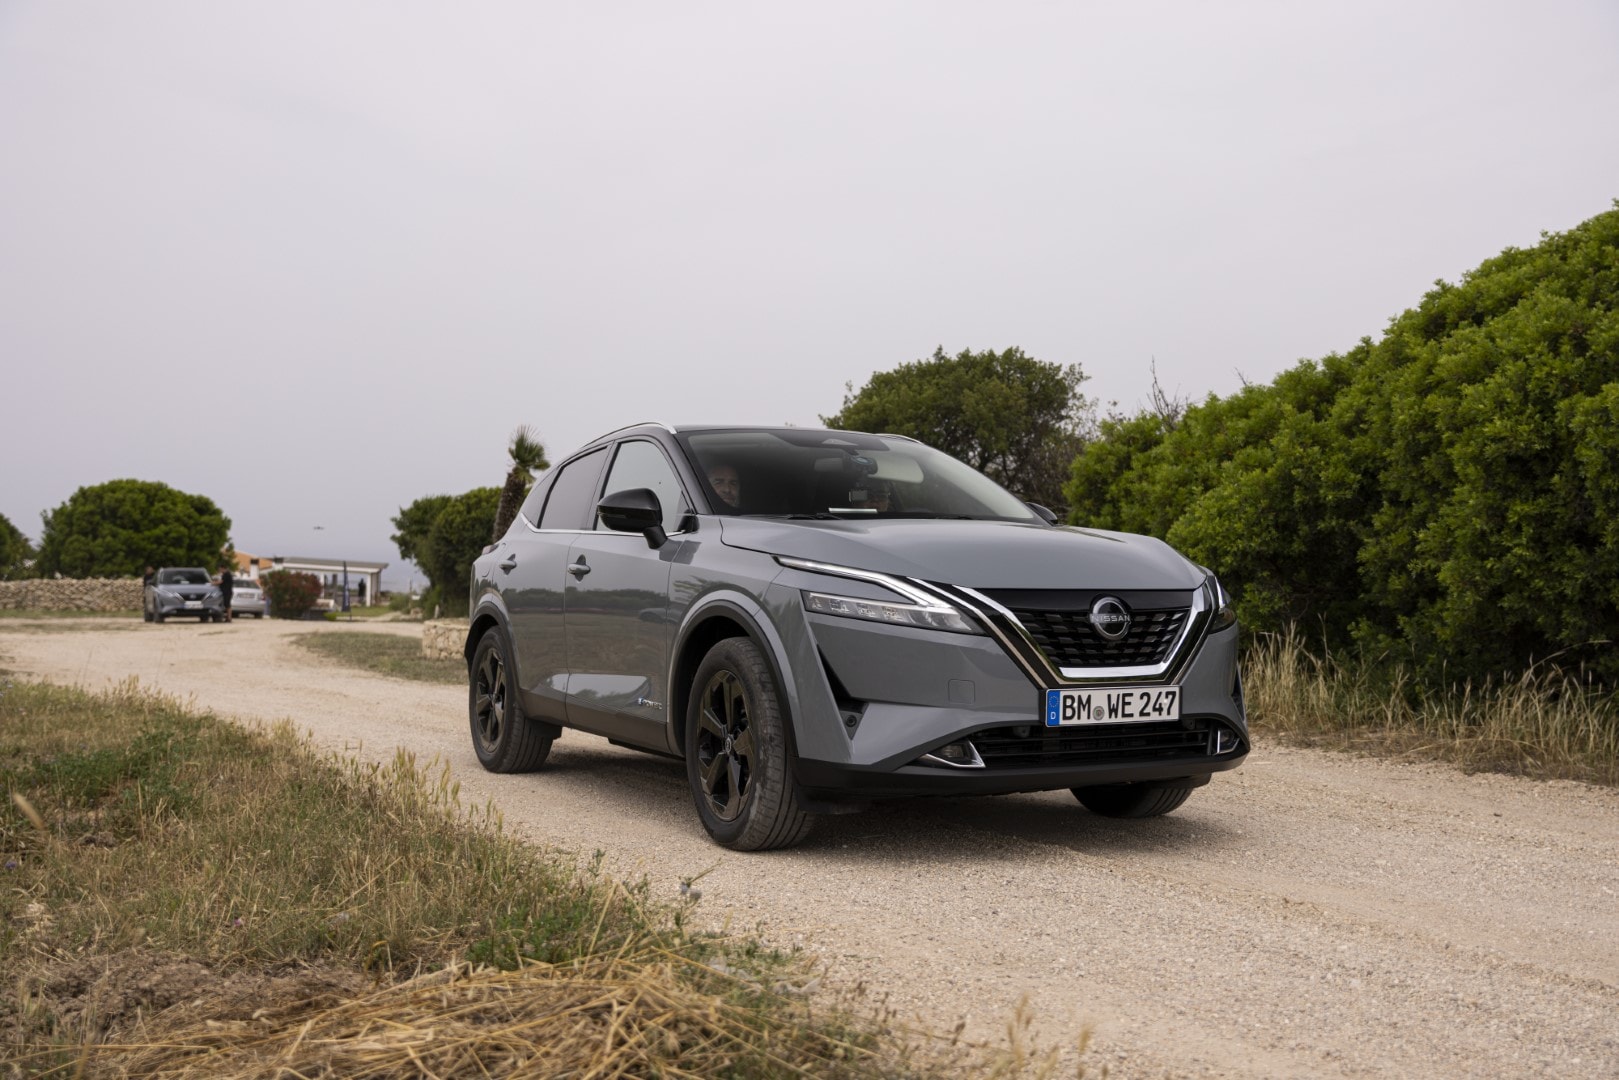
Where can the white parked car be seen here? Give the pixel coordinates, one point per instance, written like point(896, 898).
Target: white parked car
point(247, 598)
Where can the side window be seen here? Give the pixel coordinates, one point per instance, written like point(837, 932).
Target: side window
point(572, 502)
point(536, 499)
point(640, 464)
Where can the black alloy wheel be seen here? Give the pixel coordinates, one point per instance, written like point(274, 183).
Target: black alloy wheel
point(725, 749)
point(738, 761)
point(504, 739)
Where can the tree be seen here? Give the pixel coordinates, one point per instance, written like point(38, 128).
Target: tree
point(118, 528)
point(528, 457)
point(1015, 418)
point(16, 553)
point(444, 534)
point(414, 523)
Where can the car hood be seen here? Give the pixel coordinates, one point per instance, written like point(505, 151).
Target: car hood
point(977, 554)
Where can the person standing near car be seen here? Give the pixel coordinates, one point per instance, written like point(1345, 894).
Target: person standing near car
point(227, 585)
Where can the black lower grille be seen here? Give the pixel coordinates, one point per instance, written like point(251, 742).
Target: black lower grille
point(1068, 639)
point(1170, 740)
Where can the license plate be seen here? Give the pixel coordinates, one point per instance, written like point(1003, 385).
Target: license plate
point(193, 603)
point(1123, 706)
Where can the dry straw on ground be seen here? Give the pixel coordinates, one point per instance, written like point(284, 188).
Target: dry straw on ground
point(605, 1016)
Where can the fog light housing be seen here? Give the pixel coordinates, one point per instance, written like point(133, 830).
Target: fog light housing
point(1225, 740)
point(961, 754)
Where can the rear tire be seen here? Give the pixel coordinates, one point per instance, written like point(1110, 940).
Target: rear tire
point(1131, 800)
point(738, 762)
point(504, 739)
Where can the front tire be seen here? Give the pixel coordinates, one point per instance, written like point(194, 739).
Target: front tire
point(738, 763)
point(504, 739)
point(1131, 800)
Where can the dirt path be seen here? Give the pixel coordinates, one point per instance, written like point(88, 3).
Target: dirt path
point(1308, 915)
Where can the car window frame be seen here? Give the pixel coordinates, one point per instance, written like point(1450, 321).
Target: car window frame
point(688, 505)
point(595, 497)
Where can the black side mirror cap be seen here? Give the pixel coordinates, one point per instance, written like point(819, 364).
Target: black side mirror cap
point(634, 510)
point(1045, 514)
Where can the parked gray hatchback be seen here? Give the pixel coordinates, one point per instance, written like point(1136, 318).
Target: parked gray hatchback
point(815, 619)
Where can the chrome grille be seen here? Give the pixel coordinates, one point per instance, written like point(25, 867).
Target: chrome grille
point(1069, 641)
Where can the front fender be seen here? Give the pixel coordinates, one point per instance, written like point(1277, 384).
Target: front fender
point(743, 610)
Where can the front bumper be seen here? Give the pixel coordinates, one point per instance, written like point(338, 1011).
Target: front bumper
point(1120, 764)
point(900, 711)
point(173, 605)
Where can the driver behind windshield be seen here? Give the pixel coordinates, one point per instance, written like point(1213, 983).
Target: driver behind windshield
point(726, 485)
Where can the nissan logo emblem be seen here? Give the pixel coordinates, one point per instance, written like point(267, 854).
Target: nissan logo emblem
point(1110, 617)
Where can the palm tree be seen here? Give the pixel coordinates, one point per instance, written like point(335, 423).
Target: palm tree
point(528, 456)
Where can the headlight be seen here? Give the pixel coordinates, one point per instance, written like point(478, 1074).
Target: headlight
point(1224, 614)
point(919, 608)
point(929, 618)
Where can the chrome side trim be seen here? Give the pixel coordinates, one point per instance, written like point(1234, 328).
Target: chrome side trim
point(1030, 659)
point(976, 762)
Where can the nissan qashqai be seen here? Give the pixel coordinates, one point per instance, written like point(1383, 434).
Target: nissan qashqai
point(812, 619)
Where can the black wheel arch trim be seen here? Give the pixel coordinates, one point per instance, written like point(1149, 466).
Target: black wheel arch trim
point(490, 611)
point(756, 623)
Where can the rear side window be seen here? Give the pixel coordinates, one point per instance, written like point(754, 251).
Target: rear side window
point(572, 502)
point(639, 464)
point(534, 500)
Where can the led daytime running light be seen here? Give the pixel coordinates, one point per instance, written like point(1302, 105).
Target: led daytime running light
point(852, 607)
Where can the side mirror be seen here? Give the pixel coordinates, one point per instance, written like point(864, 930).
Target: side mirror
point(634, 510)
point(1045, 514)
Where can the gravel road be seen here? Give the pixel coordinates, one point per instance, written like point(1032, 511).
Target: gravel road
point(1308, 915)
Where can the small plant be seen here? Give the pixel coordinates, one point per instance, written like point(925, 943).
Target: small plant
point(291, 593)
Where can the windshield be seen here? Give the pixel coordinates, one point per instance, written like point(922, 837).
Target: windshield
point(799, 472)
point(182, 577)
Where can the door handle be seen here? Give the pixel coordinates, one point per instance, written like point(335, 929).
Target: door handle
point(579, 569)
point(509, 563)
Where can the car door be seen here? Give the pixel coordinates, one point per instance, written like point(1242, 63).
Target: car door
point(532, 564)
point(618, 609)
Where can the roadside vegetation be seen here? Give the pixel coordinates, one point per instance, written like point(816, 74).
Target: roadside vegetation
point(185, 897)
point(1548, 722)
point(385, 654)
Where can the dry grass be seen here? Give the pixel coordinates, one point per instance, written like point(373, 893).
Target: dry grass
point(1548, 723)
point(384, 654)
point(183, 897)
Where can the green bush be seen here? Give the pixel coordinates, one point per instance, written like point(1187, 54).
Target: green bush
point(1445, 495)
point(291, 593)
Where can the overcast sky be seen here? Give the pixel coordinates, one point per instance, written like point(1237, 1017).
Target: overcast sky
point(315, 260)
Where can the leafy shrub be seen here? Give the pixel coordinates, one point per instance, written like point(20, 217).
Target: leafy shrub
point(291, 593)
point(1443, 496)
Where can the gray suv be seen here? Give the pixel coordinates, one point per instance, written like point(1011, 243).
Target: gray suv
point(183, 590)
point(815, 619)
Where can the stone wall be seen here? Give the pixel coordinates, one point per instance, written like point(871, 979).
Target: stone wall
point(443, 639)
point(72, 594)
